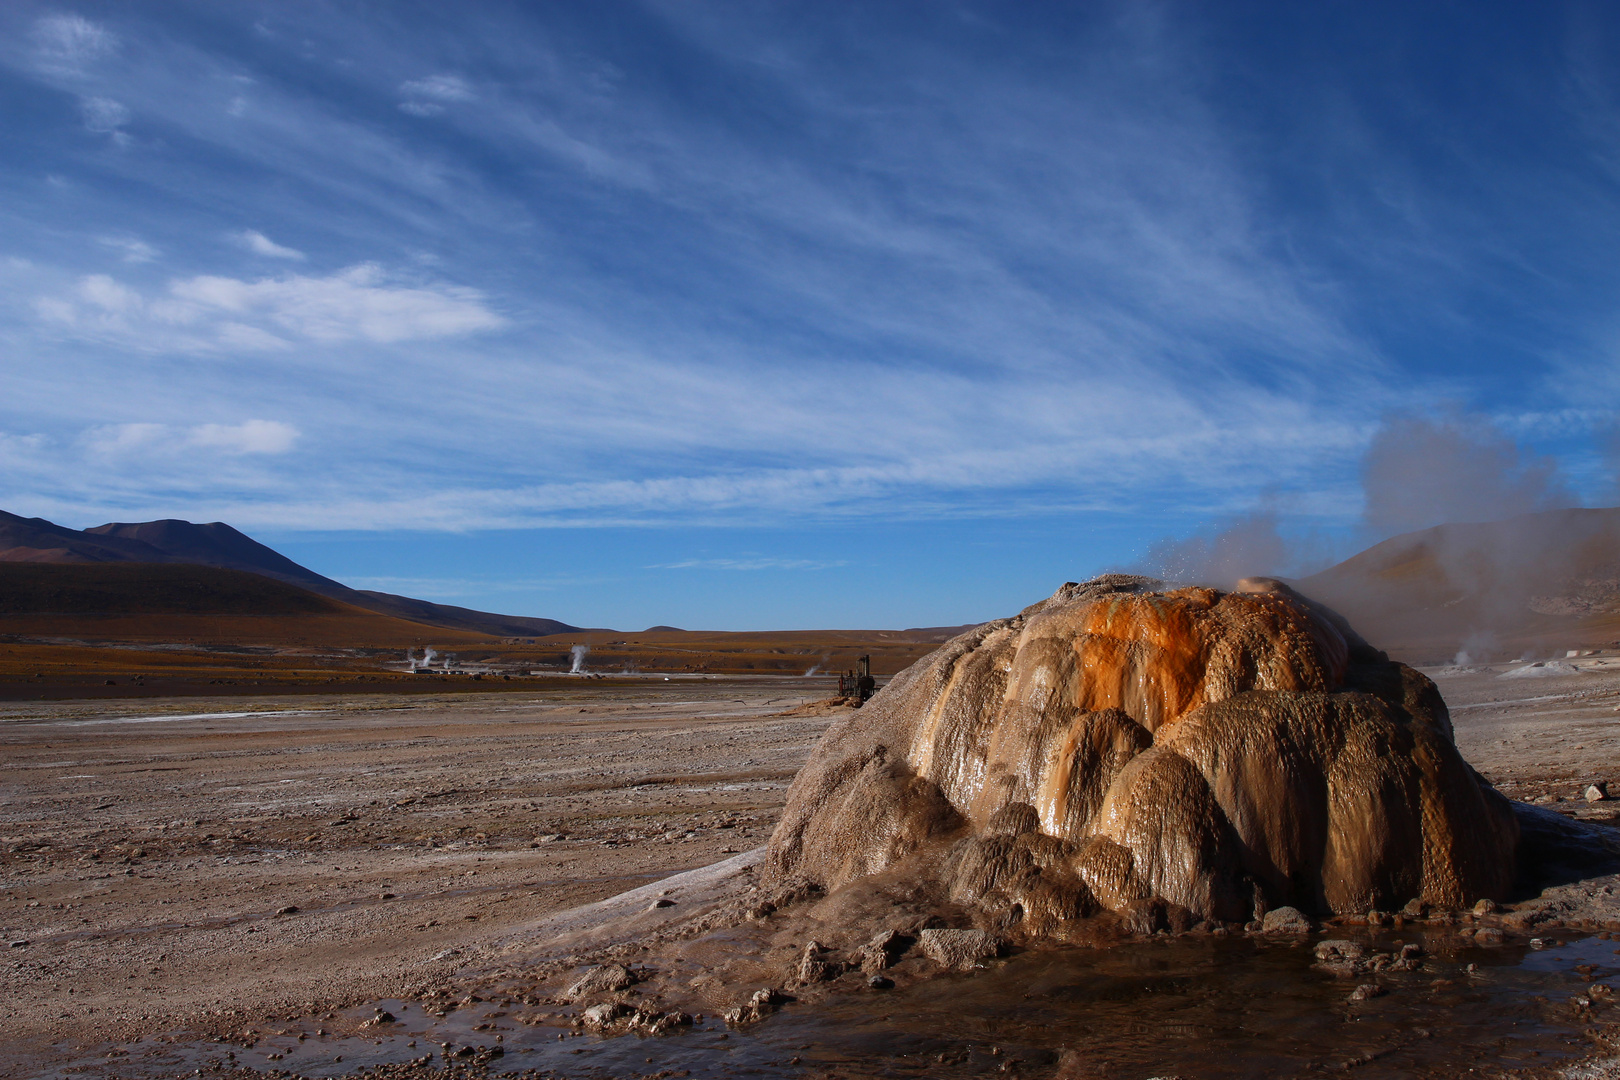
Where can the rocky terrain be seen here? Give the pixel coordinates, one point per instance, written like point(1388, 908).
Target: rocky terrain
point(462, 862)
point(162, 868)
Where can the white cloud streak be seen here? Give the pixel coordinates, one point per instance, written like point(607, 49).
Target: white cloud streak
point(146, 440)
point(221, 313)
point(260, 244)
point(68, 43)
point(938, 285)
point(760, 563)
point(104, 116)
point(440, 88)
point(133, 250)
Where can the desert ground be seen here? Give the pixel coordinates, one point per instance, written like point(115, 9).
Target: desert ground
point(232, 869)
point(148, 849)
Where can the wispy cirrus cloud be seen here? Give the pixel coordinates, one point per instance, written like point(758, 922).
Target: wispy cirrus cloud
point(104, 116)
point(758, 563)
point(260, 244)
point(214, 312)
point(428, 96)
point(68, 43)
point(132, 249)
point(769, 277)
point(246, 437)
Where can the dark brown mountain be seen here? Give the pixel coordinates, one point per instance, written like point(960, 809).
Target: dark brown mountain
point(35, 540)
point(1497, 589)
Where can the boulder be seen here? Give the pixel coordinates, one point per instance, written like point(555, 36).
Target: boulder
point(1167, 755)
point(958, 949)
point(761, 1004)
point(1332, 949)
point(1286, 920)
point(814, 966)
point(605, 1015)
point(882, 951)
point(607, 979)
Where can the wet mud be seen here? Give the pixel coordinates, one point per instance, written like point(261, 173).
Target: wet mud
point(1187, 1007)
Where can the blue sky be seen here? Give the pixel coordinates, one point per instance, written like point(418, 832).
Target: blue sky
point(793, 315)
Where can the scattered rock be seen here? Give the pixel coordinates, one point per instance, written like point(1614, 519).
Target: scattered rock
point(290, 909)
point(607, 979)
point(599, 1017)
point(1338, 949)
point(814, 967)
point(661, 902)
point(1488, 935)
point(1367, 991)
point(762, 1004)
point(883, 950)
point(1415, 908)
point(958, 949)
point(1346, 959)
point(1377, 918)
point(1597, 792)
point(659, 1023)
point(1340, 958)
point(1485, 907)
point(1286, 920)
point(880, 982)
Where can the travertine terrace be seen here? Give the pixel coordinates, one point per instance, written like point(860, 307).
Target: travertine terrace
point(1169, 756)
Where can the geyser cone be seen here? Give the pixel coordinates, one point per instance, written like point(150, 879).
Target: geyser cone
point(1175, 755)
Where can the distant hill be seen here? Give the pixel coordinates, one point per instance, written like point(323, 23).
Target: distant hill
point(1535, 582)
point(117, 589)
point(35, 540)
point(181, 604)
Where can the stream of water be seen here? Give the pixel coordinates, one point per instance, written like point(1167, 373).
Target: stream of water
point(1189, 1008)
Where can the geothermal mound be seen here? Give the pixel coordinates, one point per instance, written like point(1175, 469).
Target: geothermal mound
point(1170, 756)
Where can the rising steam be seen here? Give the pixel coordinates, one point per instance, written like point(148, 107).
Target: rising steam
point(1242, 547)
point(1420, 472)
point(577, 654)
point(1487, 546)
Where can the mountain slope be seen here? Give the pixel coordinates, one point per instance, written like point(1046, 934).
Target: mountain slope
point(1538, 581)
point(216, 544)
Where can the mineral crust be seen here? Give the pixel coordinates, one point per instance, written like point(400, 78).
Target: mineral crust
point(1169, 755)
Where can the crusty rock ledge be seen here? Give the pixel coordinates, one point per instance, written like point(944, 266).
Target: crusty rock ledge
point(1167, 756)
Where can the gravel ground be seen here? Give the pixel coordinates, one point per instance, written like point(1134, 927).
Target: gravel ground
point(225, 876)
point(162, 868)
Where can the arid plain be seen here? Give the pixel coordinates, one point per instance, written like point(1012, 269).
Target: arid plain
point(256, 864)
point(148, 849)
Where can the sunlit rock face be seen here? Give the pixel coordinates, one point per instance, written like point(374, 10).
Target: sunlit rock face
point(1166, 755)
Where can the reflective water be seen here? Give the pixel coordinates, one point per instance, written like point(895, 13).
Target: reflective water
point(1190, 1008)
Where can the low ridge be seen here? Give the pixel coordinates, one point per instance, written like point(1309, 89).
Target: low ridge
point(216, 544)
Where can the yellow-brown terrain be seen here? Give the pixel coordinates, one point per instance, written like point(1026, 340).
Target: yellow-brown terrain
point(148, 629)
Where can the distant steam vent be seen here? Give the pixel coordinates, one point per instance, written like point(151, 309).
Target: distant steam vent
point(576, 657)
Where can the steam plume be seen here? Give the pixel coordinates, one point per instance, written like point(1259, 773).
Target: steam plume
point(577, 653)
point(1242, 547)
point(1420, 472)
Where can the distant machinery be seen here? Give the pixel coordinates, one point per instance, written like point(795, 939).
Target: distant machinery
point(858, 683)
